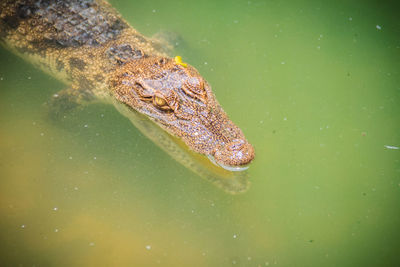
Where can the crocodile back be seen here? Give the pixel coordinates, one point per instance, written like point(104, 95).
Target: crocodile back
point(78, 41)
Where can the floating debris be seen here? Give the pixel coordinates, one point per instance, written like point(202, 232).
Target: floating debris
point(378, 27)
point(148, 247)
point(392, 147)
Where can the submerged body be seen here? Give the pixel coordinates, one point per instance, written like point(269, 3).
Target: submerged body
point(86, 44)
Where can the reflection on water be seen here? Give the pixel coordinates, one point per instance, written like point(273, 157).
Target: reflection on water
point(315, 88)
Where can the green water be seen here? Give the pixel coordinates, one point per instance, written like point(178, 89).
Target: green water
point(314, 86)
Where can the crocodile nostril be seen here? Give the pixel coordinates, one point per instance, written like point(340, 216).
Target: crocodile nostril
point(236, 144)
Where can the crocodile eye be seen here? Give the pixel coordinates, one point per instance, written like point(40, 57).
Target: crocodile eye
point(161, 103)
point(194, 88)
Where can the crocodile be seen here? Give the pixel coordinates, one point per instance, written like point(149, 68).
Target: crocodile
point(89, 46)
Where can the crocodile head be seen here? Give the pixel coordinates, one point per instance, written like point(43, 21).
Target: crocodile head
point(176, 97)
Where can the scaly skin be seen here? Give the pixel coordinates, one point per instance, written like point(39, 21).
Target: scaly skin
point(87, 44)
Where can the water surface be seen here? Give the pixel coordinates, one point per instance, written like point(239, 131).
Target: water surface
point(315, 87)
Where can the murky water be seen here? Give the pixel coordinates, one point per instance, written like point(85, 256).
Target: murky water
point(316, 89)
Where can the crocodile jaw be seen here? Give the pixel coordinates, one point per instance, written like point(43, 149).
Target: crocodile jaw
point(227, 167)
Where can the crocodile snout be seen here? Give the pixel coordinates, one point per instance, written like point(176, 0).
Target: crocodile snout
point(234, 155)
